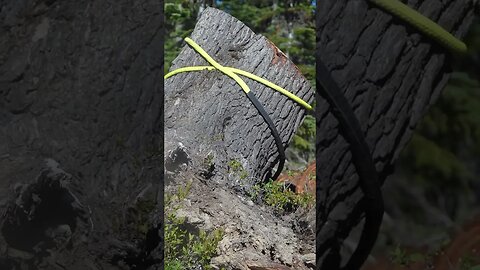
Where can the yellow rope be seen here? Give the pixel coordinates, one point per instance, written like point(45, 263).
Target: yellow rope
point(232, 73)
point(424, 24)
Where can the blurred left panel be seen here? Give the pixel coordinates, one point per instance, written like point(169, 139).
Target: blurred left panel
point(81, 134)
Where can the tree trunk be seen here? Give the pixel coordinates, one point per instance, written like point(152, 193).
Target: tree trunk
point(216, 139)
point(80, 133)
point(391, 75)
point(209, 114)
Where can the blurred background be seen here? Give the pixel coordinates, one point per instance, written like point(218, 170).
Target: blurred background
point(432, 200)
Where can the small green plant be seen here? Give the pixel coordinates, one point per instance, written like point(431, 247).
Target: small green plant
point(243, 174)
point(254, 192)
point(209, 160)
point(174, 265)
point(182, 192)
point(282, 199)
point(218, 137)
point(236, 167)
point(468, 262)
point(184, 250)
point(204, 246)
point(400, 257)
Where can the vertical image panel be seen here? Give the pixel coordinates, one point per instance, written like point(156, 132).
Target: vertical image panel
point(80, 134)
point(239, 134)
point(391, 79)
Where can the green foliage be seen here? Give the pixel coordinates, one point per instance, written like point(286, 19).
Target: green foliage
point(431, 161)
point(180, 20)
point(204, 247)
point(174, 265)
point(174, 236)
point(304, 139)
point(280, 198)
point(401, 257)
point(469, 262)
point(442, 159)
point(443, 150)
point(456, 115)
point(236, 167)
point(184, 250)
point(288, 24)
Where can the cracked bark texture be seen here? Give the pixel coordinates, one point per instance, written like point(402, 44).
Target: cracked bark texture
point(209, 113)
point(80, 133)
point(391, 75)
point(215, 138)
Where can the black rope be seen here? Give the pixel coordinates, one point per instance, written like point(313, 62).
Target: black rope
point(273, 129)
point(362, 160)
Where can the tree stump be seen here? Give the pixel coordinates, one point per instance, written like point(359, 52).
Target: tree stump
point(209, 114)
point(80, 133)
point(391, 75)
point(216, 140)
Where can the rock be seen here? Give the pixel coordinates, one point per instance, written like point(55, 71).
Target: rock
point(267, 266)
point(309, 260)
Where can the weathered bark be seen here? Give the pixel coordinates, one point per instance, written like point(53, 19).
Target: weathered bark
point(80, 133)
point(215, 138)
point(391, 75)
point(209, 113)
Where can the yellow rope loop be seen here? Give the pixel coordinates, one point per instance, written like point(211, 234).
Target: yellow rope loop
point(232, 73)
point(186, 69)
point(215, 64)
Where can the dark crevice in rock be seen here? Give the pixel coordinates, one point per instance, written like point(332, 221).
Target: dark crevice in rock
point(43, 212)
point(142, 258)
point(176, 159)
